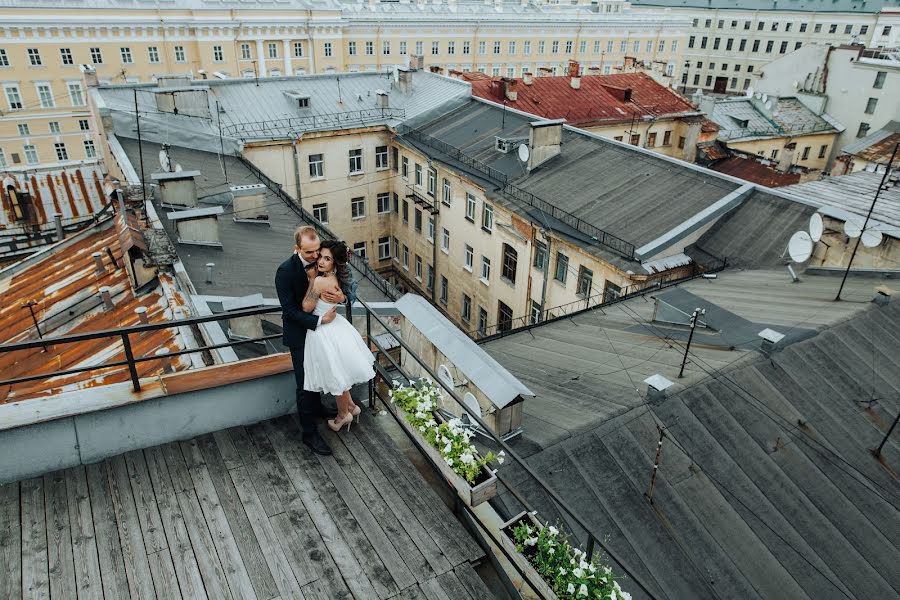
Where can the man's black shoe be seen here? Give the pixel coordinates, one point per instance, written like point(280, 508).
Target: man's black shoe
point(315, 443)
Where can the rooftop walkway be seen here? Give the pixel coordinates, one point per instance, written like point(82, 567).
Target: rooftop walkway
point(244, 513)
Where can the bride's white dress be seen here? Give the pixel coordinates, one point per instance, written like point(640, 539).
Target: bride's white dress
point(335, 356)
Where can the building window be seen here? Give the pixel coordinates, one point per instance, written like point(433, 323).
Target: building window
point(125, 53)
point(34, 57)
point(396, 243)
point(467, 48)
point(802, 27)
point(429, 234)
point(218, 54)
point(2, 158)
point(45, 94)
point(635, 139)
point(651, 140)
point(96, 56)
point(405, 257)
point(886, 30)
point(704, 41)
point(870, 105)
point(569, 47)
point(320, 212)
point(405, 211)
point(65, 55)
point(466, 312)
point(482, 320)
point(691, 41)
point(822, 150)
point(470, 207)
point(404, 172)
point(76, 95)
point(612, 292)
point(585, 282)
point(662, 46)
point(273, 50)
point(805, 154)
point(540, 255)
point(418, 175)
point(89, 150)
point(526, 47)
point(755, 47)
point(832, 28)
point(445, 240)
point(863, 30)
point(445, 194)
point(418, 221)
point(245, 51)
point(880, 76)
point(487, 217)
point(429, 279)
point(359, 248)
point(370, 48)
point(667, 138)
point(510, 262)
point(681, 142)
point(451, 47)
point(53, 126)
point(383, 202)
point(298, 49)
point(485, 269)
point(381, 157)
point(418, 267)
point(469, 257)
point(783, 48)
point(848, 29)
point(61, 152)
point(554, 47)
point(504, 317)
point(384, 248)
point(83, 125)
point(562, 267)
point(31, 155)
point(445, 289)
point(358, 207)
point(863, 130)
point(396, 203)
point(715, 43)
point(24, 129)
point(356, 165)
point(817, 28)
point(536, 313)
point(432, 182)
point(328, 49)
point(179, 54)
point(316, 166)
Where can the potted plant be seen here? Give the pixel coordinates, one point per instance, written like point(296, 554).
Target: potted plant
point(552, 566)
point(447, 442)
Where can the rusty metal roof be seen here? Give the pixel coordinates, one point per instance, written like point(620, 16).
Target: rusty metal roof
point(751, 169)
point(64, 287)
point(876, 147)
point(76, 193)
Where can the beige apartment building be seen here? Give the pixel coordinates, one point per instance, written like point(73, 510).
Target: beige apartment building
point(45, 121)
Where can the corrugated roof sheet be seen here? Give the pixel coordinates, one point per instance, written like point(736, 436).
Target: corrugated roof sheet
point(65, 289)
point(854, 193)
point(593, 103)
point(76, 193)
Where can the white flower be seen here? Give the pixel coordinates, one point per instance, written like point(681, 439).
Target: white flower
point(613, 596)
point(553, 530)
point(467, 458)
point(528, 529)
point(582, 591)
point(448, 448)
point(450, 461)
point(552, 551)
point(571, 588)
point(531, 541)
point(578, 572)
point(562, 571)
point(499, 460)
point(422, 429)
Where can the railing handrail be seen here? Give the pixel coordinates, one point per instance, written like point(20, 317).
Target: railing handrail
point(277, 127)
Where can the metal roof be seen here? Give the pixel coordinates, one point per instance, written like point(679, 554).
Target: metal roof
point(75, 193)
point(876, 147)
point(751, 169)
point(849, 6)
point(485, 373)
point(64, 285)
point(744, 119)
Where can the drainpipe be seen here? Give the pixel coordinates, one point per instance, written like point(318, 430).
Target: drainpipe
point(434, 243)
point(546, 276)
point(294, 141)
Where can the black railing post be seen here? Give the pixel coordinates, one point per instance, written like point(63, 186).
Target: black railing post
point(590, 547)
point(369, 342)
point(129, 356)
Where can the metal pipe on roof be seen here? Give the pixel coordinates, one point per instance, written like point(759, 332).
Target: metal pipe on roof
point(107, 298)
point(141, 312)
point(209, 272)
point(57, 220)
point(98, 262)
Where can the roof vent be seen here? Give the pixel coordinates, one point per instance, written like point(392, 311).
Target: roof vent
point(300, 98)
point(382, 99)
point(770, 339)
point(656, 387)
point(507, 145)
point(199, 226)
point(177, 189)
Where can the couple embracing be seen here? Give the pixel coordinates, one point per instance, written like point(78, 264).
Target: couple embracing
point(327, 352)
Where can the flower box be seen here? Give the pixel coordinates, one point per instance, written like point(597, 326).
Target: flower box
point(508, 542)
point(485, 486)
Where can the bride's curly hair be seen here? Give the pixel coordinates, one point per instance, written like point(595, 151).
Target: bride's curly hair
point(341, 255)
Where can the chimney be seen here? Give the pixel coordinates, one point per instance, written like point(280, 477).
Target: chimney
point(107, 298)
point(382, 99)
point(704, 103)
point(527, 77)
point(575, 83)
point(509, 89)
point(98, 262)
point(497, 89)
point(574, 68)
point(544, 141)
point(404, 80)
point(656, 387)
point(770, 341)
point(90, 75)
point(417, 62)
point(141, 312)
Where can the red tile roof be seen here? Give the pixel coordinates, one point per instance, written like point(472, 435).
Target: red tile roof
point(755, 171)
point(599, 100)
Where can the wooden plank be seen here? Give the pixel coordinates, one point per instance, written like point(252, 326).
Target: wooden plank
point(412, 557)
point(412, 593)
point(164, 578)
point(454, 588)
point(10, 542)
point(371, 528)
point(60, 559)
point(286, 445)
point(211, 570)
point(434, 591)
point(247, 543)
point(35, 575)
point(190, 581)
point(194, 380)
point(305, 550)
point(227, 450)
point(319, 590)
point(447, 532)
point(106, 534)
point(274, 488)
point(145, 501)
point(226, 547)
point(287, 584)
point(416, 530)
point(84, 545)
point(137, 567)
point(471, 581)
point(178, 471)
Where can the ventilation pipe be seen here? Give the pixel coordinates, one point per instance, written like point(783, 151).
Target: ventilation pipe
point(656, 387)
point(98, 263)
point(141, 312)
point(209, 272)
point(107, 298)
point(527, 77)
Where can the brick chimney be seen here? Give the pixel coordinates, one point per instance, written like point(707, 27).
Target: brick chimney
point(404, 80)
point(527, 77)
point(509, 89)
point(574, 68)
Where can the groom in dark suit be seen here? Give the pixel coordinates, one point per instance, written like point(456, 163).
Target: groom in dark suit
point(292, 282)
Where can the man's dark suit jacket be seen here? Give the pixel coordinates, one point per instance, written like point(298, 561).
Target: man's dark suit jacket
point(292, 283)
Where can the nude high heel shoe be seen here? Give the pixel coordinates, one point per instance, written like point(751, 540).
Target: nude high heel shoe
point(355, 411)
point(338, 424)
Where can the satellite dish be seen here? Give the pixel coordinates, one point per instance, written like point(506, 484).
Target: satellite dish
point(871, 238)
point(445, 376)
point(816, 227)
point(523, 152)
point(852, 227)
point(767, 103)
point(750, 92)
point(758, 95)
point(164, 161)
point(472, 404)
point(765, 97)
point(800, 247)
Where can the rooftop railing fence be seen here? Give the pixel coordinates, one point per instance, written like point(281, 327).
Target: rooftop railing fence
point(279, 128)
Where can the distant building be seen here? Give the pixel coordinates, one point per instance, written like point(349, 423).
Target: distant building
point(856, 86)
point(628, 107)
point(871, 153)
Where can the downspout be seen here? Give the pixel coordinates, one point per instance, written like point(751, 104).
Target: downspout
point(546, 276)
point(294, 140)
point(434, 247)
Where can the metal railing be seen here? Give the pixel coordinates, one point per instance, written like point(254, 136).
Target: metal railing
point(278, 128)
point(12, 245)
point(359, 263)
point(595, 234)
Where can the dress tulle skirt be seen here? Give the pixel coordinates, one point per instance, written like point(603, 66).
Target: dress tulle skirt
point(335, 358)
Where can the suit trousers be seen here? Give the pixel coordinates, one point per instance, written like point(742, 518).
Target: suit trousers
point(309, 404)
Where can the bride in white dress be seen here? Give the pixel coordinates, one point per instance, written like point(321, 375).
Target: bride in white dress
point(335, 356)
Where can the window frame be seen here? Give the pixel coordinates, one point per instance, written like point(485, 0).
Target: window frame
point(357, 208)
point(320, 210)
point(319, 167)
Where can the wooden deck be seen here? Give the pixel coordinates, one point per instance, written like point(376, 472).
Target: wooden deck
point(243, 513)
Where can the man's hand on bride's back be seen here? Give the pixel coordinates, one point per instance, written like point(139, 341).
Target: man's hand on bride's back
point(329, 316)
point(333, 297)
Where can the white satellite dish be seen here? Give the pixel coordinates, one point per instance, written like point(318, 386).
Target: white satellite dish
point(816, 227)
point(871, 238)
point(767, 104)
point(750, 92)
point(758, 95)
point(164, 161)
point(523, 152)
point(472, 404)
point(800, 247)
point(765, 97)
point(445, 376)
point(853, 227)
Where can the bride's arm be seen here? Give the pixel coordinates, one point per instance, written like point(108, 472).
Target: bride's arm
point(312, 295)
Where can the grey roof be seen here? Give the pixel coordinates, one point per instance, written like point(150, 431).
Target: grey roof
point(743, 119)
point(851, 6)
point(634, 195)
point(251, 252)
point(476, 365)
point(853, 194)
point(753, 489)
point(337, 101)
